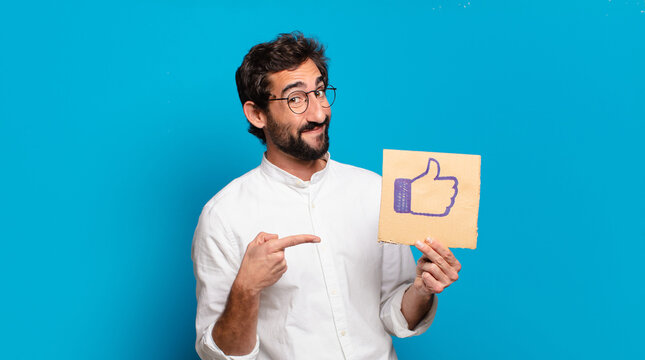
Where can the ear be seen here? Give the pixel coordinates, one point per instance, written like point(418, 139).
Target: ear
point(254, 114)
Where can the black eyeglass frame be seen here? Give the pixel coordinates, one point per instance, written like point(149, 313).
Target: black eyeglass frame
point(328, 87)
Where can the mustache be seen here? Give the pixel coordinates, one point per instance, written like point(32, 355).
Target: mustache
point(312, 125)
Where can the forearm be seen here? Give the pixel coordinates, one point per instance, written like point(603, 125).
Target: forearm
point(235, 331)
point(415, 305)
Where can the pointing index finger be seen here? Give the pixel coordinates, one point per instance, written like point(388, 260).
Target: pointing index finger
point(281, 244)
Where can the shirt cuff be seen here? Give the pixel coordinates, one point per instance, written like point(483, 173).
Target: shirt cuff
point(210, 351)
point(400, 324)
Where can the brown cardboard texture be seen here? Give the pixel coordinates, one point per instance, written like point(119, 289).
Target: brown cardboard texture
point(429, 194)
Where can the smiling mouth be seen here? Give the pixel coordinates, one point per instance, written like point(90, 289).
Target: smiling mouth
point(316, 129)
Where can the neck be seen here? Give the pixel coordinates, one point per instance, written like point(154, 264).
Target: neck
point(302, 169)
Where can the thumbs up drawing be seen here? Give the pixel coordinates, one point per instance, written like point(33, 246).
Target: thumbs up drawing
point(427, 194)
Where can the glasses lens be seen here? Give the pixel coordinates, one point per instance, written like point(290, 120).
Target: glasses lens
point(297, 101)
point(330, 96)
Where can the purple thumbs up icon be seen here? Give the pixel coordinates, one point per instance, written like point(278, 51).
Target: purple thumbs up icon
point(427, 194)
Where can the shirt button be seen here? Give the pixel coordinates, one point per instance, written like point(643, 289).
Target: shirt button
point(333, 292)
point(313, 206)
point(343, 333)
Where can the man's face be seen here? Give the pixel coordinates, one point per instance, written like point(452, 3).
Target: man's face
point(304, 136)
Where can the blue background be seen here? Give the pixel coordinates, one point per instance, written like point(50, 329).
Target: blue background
point(118, 121)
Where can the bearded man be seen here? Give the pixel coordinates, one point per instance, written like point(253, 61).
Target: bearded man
point(286, 256)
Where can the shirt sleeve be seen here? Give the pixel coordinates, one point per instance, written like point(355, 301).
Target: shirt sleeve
point(209, 350)
point(216, 261)
point(398, 271)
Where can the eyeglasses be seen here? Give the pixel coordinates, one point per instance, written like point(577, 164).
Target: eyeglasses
point(298, 101)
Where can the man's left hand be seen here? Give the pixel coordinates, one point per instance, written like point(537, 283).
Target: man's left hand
point(436, 269)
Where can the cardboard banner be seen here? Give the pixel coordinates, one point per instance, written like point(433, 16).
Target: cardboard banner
point(429, 194)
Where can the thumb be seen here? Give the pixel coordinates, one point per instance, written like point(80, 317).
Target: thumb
point(433, 168)
point(264, 237)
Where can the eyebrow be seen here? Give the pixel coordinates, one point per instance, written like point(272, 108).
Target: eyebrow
point(291, 86)
point(299, 84)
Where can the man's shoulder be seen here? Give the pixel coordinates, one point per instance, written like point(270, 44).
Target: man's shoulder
point(355, 172)
point(230, 194)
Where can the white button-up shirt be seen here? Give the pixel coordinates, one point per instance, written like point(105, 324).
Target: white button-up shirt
point(340, 298)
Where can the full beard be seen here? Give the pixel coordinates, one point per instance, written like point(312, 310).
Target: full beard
point(296, 146)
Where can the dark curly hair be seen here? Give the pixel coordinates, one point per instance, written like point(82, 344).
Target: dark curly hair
point(286, 52)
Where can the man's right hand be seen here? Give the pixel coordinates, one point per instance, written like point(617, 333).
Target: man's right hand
point(264, 263)
point(262, 266)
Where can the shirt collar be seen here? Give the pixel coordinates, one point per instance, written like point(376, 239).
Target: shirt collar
point(282, 176)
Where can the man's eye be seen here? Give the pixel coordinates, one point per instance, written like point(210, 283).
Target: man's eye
point(319, 93)
point(294, 100)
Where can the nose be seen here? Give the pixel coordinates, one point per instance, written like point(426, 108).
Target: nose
point(315, 111)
